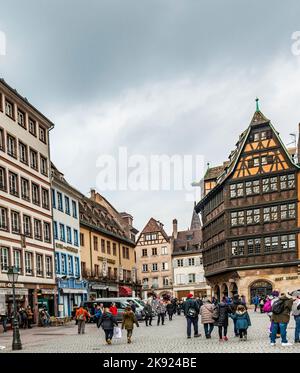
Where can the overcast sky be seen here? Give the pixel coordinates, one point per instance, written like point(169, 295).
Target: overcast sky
point(174, 77)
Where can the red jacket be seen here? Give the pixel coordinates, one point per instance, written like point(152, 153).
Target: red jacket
point(83, 312)
point(113, 310)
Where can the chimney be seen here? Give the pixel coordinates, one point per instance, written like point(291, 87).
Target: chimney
point(175, 232)
point(93, 194)
point(298, 145)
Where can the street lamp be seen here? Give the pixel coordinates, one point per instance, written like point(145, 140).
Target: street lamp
point(13, 275)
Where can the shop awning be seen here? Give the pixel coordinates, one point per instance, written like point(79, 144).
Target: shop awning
point(99, 287)
point(125, 291)
point(74, 291)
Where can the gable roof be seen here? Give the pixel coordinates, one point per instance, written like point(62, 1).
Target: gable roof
point(257, 120)
point(214, 172)
point(188, 241)
point(97, 217)
point(154, 226)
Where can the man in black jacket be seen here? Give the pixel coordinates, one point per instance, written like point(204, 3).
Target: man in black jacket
point(191, 312)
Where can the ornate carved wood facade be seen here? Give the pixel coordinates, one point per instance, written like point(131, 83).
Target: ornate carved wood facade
point(250, 218)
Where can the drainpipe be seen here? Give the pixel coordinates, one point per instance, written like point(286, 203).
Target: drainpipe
point(91, 258)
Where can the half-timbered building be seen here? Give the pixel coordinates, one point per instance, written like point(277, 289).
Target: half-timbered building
point(251, 216)
point(153, 257)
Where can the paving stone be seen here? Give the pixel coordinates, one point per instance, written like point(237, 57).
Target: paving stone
point(169, 338)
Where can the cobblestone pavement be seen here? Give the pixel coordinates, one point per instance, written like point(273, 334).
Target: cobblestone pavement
point(169, 338)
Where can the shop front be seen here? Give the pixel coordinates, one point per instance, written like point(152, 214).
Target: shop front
point(97, 290)
point(47, 298)
point(71, 293)
point(6, 298)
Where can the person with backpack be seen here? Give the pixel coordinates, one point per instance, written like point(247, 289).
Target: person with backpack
point(235, 303)
point(281, 310)
point(107, 321)
point(98, 313)
point(161, 312)
point(129, 319)
point(267, 308)
point(81, 316)
point(191, 312)
point(170, 310)
point(242, 321)
point(296, 314)
point(133, 306)
point(148, 311)
point(261, 304)
point(220, 316)
point(206, 312)
point(29, 317)
point(255, 301)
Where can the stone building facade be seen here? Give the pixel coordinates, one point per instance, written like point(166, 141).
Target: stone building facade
point(26, 239)
point(107, 241)
point(188, 270)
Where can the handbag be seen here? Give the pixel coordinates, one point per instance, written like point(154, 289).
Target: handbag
point(215, 314)
point(117, 332)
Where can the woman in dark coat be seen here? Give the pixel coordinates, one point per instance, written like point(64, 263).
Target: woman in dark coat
point(221, 316)
point(107, 321)
point(170, 310)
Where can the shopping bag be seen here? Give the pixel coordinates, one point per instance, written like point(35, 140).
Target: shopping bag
point(117, 332)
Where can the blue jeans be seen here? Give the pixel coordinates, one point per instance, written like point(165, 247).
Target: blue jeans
point(190, 321)
point(282, 327)
point(297, 328)
point(208, 328)
point(108, 334)
point(4, 323)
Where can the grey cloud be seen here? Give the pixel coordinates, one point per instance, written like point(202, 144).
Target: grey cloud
point(67, 55)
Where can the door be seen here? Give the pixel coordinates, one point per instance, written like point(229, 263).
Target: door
point(260, 288)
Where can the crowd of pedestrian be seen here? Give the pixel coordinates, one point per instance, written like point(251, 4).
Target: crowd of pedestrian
point(278, 307)
point(24, 317)
point(213, 314)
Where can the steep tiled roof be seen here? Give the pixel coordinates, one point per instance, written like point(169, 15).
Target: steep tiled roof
point(213, 172)
point(155, 226)
point(187, 242)
point(257, 119)
point(97, 216)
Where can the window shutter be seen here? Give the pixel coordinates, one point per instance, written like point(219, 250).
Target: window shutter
point(197, 261)
point(185, 262)
point(199, 277)
point(175, 263)
point(185, 279)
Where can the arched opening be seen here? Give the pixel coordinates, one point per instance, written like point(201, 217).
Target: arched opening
point(217, 292)
point(233, 289)
point(224, 291)
point(262, 288)
point(165, 295)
